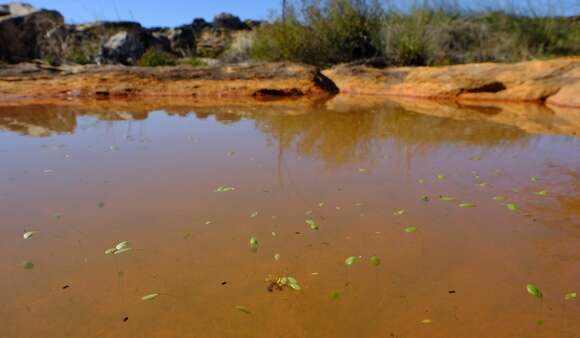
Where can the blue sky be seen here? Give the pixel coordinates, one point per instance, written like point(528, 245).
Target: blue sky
point(175, 12)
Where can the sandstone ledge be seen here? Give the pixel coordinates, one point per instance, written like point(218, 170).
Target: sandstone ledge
point(555, 82)
point(268, 80)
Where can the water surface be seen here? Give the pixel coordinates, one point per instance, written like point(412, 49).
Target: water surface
point(88, 178)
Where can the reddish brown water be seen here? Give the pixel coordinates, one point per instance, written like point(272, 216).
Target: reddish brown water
point(88, 181)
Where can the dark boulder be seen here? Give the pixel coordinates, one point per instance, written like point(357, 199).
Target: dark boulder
point(251, 24)
point(23, 31)
point(227, 21)
point(200, 24)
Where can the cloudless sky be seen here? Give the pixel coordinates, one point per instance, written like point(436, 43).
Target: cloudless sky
point(176, 12)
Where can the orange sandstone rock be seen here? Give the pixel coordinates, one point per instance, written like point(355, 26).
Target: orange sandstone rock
point(242, 81)
point(554, 81)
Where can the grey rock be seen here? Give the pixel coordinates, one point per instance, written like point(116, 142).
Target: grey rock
point(125, 47)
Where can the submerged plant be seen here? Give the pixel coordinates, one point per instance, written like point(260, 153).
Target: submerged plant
point(279, 283)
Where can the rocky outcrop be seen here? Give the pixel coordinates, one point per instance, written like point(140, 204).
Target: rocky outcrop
point(226, 32)
point(23, 32)
point(258, 81)
point(179, 40)
point(552, 81)
point(120, 42)
point(28, 33)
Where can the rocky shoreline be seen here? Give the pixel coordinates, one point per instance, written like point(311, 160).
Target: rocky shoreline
point(551, 82)
point(259, 81)
point(554, 82)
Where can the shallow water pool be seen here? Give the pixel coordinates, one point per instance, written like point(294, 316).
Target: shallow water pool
point(461, 214)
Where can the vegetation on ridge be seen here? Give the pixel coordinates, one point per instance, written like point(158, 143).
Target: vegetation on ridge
point(326, 32)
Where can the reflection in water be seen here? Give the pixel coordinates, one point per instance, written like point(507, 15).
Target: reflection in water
point(358, 136)
point(86, 177)
point(337, 137)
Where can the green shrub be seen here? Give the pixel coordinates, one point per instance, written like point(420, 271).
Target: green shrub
point(326, 32)
point(79, 56)
point(156, 58)
point(193, 61)
point(322, 33)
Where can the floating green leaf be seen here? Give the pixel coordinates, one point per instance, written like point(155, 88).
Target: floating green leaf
point(534, 178)
point(570, 296)
point(312, 224)
point(150, 296)
point(410, 229)
point(122, 245)
point(421, 181)
point(447, 198)
point(120, 251)
point(425, 198)
point(534, 291)
point(499, 198)
point(293, 283)
point(29, 234)
point(475, 158)
point(350, 260)
point(243, 309)
point(335, 295)
point(224, 189)
point(110, 251)
point(542, 193)
point(466, 205)
point(277, 257)
point(375, 260)
point(254, 214)
point(441, 177)
point(426, 321)
point(28, 265)
point(512, 206)
point(254, 243)
point(399, 212)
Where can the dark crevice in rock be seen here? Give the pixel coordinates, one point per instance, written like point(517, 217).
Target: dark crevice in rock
point(274, 93)
point(492, 87)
